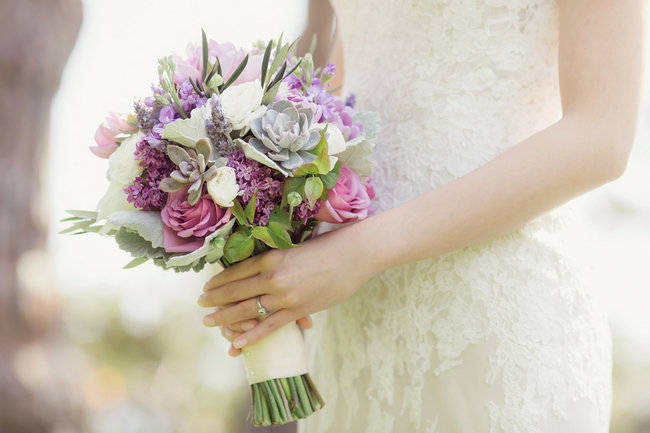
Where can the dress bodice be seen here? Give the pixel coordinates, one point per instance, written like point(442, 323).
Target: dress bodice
point(455, 82)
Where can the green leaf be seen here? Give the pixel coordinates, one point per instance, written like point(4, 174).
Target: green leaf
point(357, 157)
point(251, 153)
point(188, 131)
point(262, 233)
point(135, 244)
point(147, 224)
point(265, 61)
point(270, 93)
point(204, 44)
point(85, 214)
point(250, 208)
point(280, 216)
point(136, 262)
point(238, 212)
point(320, 165)
point(209, 248)
point(293, 184)
point(236, 74)
point(239, 246)
point(330, 179)
point(280, 236)
point(313, 190)
point(313, 44)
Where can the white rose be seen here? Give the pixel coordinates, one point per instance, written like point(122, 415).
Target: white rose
point(335, 141)
point(223, 187)
point(122, 165)
point(243, 103)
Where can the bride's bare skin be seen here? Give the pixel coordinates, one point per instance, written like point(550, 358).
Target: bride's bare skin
point(600, 72)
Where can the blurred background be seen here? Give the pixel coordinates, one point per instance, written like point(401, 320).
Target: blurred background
point(88, 347)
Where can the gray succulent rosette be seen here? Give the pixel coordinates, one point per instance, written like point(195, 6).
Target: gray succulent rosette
point(285, 134)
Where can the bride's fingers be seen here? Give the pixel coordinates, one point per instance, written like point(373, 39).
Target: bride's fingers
point(244, 326)
point(229, 334)
point(303, 322)
point(239, 271)
point(240, 312)
point(230, 293)
point(264, 328)
point(234, 352)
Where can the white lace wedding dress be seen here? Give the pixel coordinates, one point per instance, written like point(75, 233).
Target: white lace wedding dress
point(499, 337)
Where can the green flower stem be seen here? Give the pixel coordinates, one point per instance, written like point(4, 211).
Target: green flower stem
point(275, 412)
point(304, 399)
point(285, 386)
point(258, 414)
point(278, 398)
point(266, 416)
point(295, 399)
point(312, 389)
point(283, 396)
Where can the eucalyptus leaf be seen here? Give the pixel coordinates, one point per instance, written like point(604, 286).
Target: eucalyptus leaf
point(85, 214)
point(136, 262)
point(135, 244)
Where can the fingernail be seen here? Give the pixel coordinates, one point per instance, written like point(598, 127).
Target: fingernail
point(239, 343)
point(247, 326)
point(227, 332)
point(209, 321)
point(201, 301)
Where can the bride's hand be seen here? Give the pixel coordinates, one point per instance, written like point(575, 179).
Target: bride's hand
point(292, 283)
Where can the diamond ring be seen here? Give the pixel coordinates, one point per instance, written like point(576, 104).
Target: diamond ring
point(260, 308)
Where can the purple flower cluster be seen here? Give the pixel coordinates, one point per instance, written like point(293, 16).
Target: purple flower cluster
point(326, 107)
point(253, 176)
point(144, 192)
point(151, 150)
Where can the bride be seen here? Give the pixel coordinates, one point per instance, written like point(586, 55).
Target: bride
point(455, 308)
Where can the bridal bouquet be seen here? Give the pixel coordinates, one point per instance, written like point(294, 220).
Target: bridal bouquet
point(234, 153)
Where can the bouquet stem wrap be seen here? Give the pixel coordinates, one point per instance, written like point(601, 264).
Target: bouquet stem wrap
point(276, 369)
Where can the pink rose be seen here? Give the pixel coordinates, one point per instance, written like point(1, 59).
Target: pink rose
point(229, 58)
point(185, 226)
point(105, 135)
point(348, 201)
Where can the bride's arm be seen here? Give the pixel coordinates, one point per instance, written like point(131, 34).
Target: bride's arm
point(601, 47)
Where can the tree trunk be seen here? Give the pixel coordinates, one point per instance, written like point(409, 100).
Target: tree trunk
point(36, 38)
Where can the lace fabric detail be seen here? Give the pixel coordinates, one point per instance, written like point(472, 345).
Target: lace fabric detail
point(498, 337)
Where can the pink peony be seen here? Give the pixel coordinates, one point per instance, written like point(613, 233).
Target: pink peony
point(105, 135)
point(229, 58)
point(185, 226)
point(348, 201)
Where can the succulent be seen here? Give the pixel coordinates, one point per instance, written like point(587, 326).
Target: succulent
point(285, 134)
point(194, 168)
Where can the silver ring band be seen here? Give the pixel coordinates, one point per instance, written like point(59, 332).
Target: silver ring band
point(260, 308)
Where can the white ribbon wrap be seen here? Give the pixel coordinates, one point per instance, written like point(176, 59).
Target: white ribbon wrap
point(281, 354)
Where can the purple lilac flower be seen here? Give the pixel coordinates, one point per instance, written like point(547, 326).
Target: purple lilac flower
point(253, 176)
point(351, 100)
point(329, 70)
point(328, 108)
point(144, 192)
point(166, 115)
